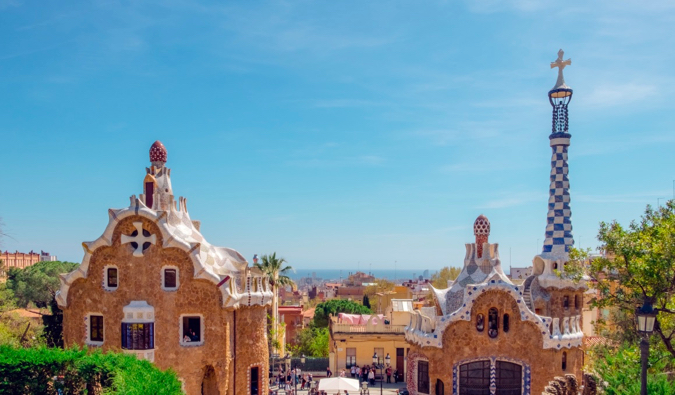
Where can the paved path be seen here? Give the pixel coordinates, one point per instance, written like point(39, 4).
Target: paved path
point(387, 389)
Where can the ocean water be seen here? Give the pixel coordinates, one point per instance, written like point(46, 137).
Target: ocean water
point(336, 274)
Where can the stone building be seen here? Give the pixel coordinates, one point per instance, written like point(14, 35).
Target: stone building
point(153, 286)
point(21, 260)
point(491, 336)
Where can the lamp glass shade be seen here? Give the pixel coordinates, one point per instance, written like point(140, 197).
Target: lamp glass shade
point(646, 322)
point(375, 358)
point(302, 359)
point(387, 359)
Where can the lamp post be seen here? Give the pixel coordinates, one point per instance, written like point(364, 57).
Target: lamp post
point(295, 379)
point(379, 365)
point(646, 317)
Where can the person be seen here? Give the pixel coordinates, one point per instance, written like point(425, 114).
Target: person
point(193, 335)
point(342, 373)
point(353, 371)
point(346, 393)
point(388, 374)
point(371, 376)
point(395, 375)
point(328, 372)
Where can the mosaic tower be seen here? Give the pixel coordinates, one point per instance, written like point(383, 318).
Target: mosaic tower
point(559, 219)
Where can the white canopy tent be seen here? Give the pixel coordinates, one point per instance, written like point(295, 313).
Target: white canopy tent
point(339, 385)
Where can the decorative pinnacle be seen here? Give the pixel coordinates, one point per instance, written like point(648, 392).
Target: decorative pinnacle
point(560, 64)
point(158, 152)
point(481, 229)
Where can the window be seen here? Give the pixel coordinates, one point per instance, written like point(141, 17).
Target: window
point(509, 378)
point(480, 323)
point(112, 277)
point(139, 336)
point(351, 357)
point(566, 302)
point(170, 280)
point(96, 328)
point(493, 323)
point(576, 302)
point(423, 377)
point(564, 361)
point(506, 323)
point(191, 330)
point(255, 380)
point(474, 378)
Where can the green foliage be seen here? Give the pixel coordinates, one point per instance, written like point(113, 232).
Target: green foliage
point(312, 342)
point(32, 371)
point(366, 301)
point(275, 271)
point(620, 369)
point(638, 264)
point(37, 284)
point(380, 285)
point(14, 329)
point(440, 279)
point(335, 306)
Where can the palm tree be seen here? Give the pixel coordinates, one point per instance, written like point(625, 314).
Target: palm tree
point(277, 275)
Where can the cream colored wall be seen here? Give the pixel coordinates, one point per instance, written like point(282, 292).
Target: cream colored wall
point(365, 346)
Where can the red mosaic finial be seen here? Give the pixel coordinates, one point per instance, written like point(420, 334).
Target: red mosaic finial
point(158, 152)
point(481, 229)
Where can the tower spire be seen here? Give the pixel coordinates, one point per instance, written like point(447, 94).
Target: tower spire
point(559, 239)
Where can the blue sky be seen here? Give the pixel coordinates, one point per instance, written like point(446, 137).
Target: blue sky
point(332, 132)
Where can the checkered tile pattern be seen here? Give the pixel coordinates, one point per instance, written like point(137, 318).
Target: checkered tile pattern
point(559, 219)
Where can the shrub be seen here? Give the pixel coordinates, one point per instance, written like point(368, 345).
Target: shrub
point(78, 371)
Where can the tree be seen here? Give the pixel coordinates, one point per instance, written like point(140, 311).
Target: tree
point(277, 275)
point(440, 279)
point(366, 301)
point(333, 307)
point(37, 285)
point(312, 342)
point(380, 285)
point(638, 264)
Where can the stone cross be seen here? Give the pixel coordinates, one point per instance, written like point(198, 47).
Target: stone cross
point(139, 239)
point(560, 64)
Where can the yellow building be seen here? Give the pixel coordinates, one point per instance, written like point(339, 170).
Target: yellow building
point(354, 338)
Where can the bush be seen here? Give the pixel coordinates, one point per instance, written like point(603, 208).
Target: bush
point(619, 370)
point(77, 371)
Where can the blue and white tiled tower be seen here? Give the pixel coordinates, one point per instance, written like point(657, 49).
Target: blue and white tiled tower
point(559, 219)
point(559, 239)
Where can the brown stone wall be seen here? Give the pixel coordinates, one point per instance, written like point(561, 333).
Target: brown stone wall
point(523, 342)
point(140, 279)
point(251, 349)
point(556, 308)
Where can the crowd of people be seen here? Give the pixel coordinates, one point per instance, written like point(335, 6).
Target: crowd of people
point(288, 380)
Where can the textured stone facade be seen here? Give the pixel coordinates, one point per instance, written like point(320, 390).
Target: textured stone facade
point(462, 342)
point(214, 286)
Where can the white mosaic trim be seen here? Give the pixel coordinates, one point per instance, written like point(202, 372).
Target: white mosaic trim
point(570, 335)
point(201, 255)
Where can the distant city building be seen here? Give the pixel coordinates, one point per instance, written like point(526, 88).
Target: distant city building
point(359, 278)
point(22, 260)
point(520, 273)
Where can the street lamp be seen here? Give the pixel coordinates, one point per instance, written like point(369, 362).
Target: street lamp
point(646, 318)
point(295, 376)
point(378, 364)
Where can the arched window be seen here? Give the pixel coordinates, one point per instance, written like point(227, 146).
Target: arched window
point(555, 265)
point(576, 302)
point(493, 323)
point(566, 302)
point(480, 322)
point(564, 361)
point(506, 323)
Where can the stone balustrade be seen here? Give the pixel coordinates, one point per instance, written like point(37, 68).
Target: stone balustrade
point(349, 328)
